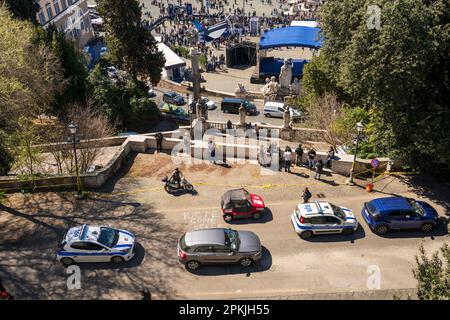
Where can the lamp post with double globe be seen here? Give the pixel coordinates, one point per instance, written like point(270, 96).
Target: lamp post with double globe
point(360, 128)
point(73, 139)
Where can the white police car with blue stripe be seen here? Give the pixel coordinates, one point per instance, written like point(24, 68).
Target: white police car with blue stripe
point(320, 217)
point(88, 243)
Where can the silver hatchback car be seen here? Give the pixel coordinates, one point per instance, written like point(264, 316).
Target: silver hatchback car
point(218, 246)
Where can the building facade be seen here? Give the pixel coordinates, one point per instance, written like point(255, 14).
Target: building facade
point(69, 16)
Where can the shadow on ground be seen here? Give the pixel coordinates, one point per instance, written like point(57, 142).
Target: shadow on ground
point(218, 270)
point(358, 234)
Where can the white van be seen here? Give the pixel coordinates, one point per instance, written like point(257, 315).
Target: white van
point(274, 109)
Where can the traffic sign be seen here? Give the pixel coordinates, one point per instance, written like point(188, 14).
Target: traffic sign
point(375, 163)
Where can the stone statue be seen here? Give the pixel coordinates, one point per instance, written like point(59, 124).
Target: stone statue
point(295, 86)
point(286, 74)
point(240, 90)
point(270, 90)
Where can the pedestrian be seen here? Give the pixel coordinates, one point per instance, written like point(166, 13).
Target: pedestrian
point(306, 195)
point(287, 159)
point(159, 138)
point(257, 131)
point(311, 156)
point(280, 159)
point(187, 143)
point(319, 169)
point(212, 151)
point(330, 157)
point(298, 155)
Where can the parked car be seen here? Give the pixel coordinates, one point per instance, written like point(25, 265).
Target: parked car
point(239, 203)
point(88, 243)
point(218, 246)
point(274, 109)
point(232, 105)
point(322, 217)
point(210, 105)
point(384, 214)
point(173, 98)
point(175, 113)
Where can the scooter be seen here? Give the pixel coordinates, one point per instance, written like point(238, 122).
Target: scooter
point(171, 186)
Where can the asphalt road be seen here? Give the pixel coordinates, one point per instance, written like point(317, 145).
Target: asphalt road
point(218, 115)
point(361, 265)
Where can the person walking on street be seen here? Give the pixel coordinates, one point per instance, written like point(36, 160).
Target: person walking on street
point(330, 157)
point(212, 151)
point(287, 159)
point(319, 169)
point(159, 138)
point(311, 156)
point(298, 155)
point(187, 143)
point(306, 195)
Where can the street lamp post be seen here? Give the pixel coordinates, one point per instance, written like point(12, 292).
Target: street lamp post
point(359, 127)
point(73, 131)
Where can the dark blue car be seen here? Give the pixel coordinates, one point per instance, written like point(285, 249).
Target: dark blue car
point(384, 214)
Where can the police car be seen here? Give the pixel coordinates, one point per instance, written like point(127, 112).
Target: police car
point(88, 243)
point(321, 217)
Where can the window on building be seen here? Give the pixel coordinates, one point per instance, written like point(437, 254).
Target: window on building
point(56, 6)
point(49, 12)
point(42, 17)
point(64, 4)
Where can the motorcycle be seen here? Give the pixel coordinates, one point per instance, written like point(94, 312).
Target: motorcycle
point(171, 186)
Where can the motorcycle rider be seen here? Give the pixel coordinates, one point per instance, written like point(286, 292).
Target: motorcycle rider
point(176, 177)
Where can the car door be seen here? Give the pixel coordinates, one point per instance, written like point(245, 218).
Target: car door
point(396, 219)
point(411, 220)
point(242, 208)
point(280, 112)
point(204, 254)
point(333, 225)
point(79, 251)
point(223, 254)
point(98, 253)
point(318, 224)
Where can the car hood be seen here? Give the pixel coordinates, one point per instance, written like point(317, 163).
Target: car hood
point(249, 242)
point(429, 210)
point(349, 216)
point(257, 201)
point(126, 239)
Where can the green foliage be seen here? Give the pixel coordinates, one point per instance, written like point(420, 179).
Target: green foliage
point(400, 72)
point(433, 275)
point(23, 9)
point(181, 51)
point(131, 46)
point(202, 61)
point(125, 101)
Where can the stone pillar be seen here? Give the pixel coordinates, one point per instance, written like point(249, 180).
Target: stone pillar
point(242, 116)
point(198, 109)
point(195, 73)
point(287, 119)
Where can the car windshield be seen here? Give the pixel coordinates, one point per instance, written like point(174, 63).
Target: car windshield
point(338, 212)
point(108, 237)
point(232, 239)
point(247, 195)
point(249, 105)
point(416, 207)
point(371, 209)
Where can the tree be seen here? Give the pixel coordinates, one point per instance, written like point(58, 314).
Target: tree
point(30, 74)
point(22, 9)
point(22, 146)
point(400, 71)
point(433, 275)
point(131, 46)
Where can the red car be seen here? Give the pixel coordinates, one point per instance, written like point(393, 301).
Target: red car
point(239, 203)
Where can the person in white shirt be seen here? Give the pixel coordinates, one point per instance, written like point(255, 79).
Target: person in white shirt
point(287, 159)
point(212, 151)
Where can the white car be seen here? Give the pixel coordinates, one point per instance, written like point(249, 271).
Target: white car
point(88, 243)
point(209, 103)
point(320, 217)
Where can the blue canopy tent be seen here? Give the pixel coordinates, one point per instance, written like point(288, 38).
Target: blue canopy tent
point(291, 37)
point(294, 36)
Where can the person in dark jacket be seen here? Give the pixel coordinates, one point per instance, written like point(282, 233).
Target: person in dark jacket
point(330, 157)
point(298, 155)
point(306, 195)
point(159, 138)
point(311, 156)
point(319, 169)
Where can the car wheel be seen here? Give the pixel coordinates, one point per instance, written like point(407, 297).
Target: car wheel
point(189, 187)
point(228, 217)
point(256, 215)
point(192, 265)
point(267, 115)
point(117, 260)
point(426, 227)
point(381, 229)
point(67, 261)
point(246, 262)
point(306, 234)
